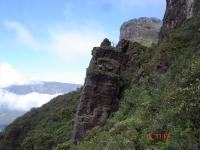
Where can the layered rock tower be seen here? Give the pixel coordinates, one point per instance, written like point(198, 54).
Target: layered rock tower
point(143, 30)
point(102, 87)
point(177, 11)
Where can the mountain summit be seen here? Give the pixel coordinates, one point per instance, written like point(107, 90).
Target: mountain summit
point(143, 30)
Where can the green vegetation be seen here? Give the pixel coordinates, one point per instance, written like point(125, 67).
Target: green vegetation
point(156, 102)
point(148, 41)
point(160, 103)
point(43, 128)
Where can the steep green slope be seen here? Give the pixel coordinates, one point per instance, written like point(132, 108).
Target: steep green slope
point(166, 100)
point(42, 128)
point(161, 96)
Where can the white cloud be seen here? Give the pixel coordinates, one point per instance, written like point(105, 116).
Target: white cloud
point(23, 102)
point(69, 44)
point(9, 76)
point(23, 35)
point(73, 45)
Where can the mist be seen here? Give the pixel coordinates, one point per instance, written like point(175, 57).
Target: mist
point(23, 102)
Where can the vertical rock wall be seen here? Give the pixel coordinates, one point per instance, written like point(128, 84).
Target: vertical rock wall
point(102, 86)
point(177, 11)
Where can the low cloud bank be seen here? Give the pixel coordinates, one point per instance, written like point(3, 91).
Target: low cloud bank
point(23, 102)
point(9, 76)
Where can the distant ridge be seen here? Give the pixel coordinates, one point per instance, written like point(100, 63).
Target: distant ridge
point(43, 88)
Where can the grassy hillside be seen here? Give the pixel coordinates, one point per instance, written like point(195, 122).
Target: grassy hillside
point(165, 99)
point(42, 128)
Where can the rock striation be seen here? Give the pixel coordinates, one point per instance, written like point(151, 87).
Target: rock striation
point(143, 30)
point(177, 11)
point(102, 87)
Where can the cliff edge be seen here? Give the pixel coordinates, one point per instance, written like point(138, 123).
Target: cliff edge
point(178, 11)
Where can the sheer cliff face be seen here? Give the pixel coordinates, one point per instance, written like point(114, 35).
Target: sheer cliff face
point(109, 65)
point(100, 90)
point(143, 30)
point(177, 11)
point(102, 87)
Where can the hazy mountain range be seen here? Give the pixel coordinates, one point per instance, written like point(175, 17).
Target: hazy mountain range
point(15, 100)
point(7, 116)
point(43, 88)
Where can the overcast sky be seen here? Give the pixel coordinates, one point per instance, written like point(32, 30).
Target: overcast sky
point(52, 40)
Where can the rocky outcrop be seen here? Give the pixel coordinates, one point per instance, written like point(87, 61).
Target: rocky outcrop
point(102, 87)
point(110, 65)
point(143, 30)
point(177, 12)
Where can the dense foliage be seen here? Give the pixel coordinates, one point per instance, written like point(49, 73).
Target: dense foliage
point(43, 128)
point(166, 101)
point(163, 100)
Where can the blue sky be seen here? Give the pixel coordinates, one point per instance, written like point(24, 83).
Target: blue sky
point(52, 40)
